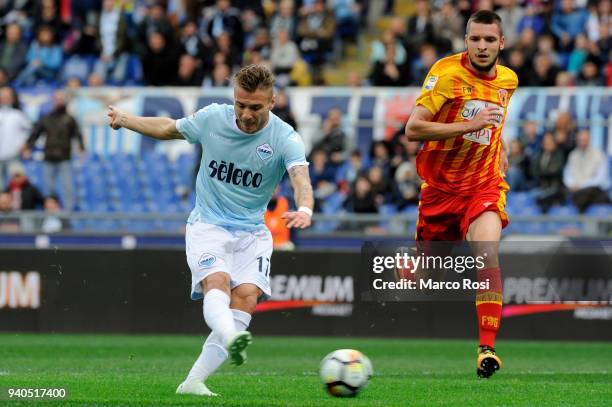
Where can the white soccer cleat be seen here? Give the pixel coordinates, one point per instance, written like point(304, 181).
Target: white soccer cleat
point(194, 387)
point(237, 345)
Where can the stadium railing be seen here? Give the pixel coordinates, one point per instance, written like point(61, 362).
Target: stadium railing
point(339, 224)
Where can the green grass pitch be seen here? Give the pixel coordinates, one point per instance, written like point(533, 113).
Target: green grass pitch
point(122, 370)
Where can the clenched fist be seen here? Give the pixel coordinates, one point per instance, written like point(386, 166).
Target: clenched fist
point(117, 117)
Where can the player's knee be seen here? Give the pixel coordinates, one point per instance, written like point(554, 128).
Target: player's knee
point(245, 298)
point(485, 228)
point(219, 281)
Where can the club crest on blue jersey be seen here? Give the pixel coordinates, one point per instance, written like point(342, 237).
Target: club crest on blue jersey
point(207, 260)
point(264, 151)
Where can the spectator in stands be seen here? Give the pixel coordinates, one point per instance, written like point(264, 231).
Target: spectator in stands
point(225, 19)
point(380, 156)
point(284, 19)
point(428, 57)
point(189, 72)
point(60, 129)
point(52, 221)
point(608, 70)
point(14, 130)
point(354, 79)
point(565, 131)
point(586, 175)
point(192, 44)
point(531, 19)
point(94, 80)
point(159, 62)
point(511, 14)
point(348, 172)
point(82, 38)
point(44, 59)
point(544, 73)
point(449, 28)
point(285, 53)
point(564, 79)
point(46, 14)
point(251, 24)
point(281, 235)
point(7, 223)
point(261, 43)
point(589, 75)
point(4, 79)
point(155, 21)
point(387, 72)
point(379, 49)
point(347, 14)
point(282, 109)
point(528, 45)
point(578, 55)
point(599, 15)
point(382, 187)
point(114, 42)
point(220, 77)
point(420, 28)
point(529, 138)
point(398, 28)
point(361, 197)
point(567, 23)
point(225, 45)
point(322, 176)
point(547, 172)
point(517, 175)
point(408, 184)
point(546, 45)
point(13, 51)
point(300, 74)
point(601, 48)
point(316, 28)
point(334, 138)
point(516, 62)
point(24, 195)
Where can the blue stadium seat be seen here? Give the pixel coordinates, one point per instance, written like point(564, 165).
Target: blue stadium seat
point(411, 210)
point(387, 209)
point(565, 210)
point(600, 210)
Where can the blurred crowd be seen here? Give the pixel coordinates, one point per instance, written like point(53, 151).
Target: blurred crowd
point(201, 42)
point(173, 42)
point(548, 43)
point(558, 165)
point(70, 43)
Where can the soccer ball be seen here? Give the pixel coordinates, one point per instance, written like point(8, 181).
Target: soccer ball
point(345, 372)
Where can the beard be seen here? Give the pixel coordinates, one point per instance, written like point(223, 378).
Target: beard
point(485, 68)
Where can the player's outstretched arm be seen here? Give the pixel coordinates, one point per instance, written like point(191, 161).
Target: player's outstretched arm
point(162, 128)
point(304, 199)
point(420, 126)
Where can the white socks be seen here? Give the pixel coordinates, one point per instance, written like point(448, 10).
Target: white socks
point(214, 352)
point(218, 316)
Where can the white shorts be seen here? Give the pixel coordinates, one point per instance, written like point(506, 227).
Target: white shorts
point(244, 255)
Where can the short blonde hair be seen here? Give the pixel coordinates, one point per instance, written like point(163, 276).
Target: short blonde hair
point(253, 77)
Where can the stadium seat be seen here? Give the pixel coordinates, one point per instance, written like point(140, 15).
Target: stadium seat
point(600, 210)
point(565, 210)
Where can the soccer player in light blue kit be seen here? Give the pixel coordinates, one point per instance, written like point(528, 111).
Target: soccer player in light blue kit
point(246, 151)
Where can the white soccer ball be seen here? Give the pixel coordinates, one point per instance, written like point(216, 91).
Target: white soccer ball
point(345, 372)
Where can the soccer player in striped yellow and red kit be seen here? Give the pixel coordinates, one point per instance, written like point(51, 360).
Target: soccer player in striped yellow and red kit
point(459, 115)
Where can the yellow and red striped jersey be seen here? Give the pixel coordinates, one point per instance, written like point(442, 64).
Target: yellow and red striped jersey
point(453, 92)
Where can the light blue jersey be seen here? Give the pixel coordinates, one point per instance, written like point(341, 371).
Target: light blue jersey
point(239, 171)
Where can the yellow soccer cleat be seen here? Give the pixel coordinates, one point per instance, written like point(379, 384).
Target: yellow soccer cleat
point(487, 362)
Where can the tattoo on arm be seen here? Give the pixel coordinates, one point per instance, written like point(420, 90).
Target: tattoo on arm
point(302, 189)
